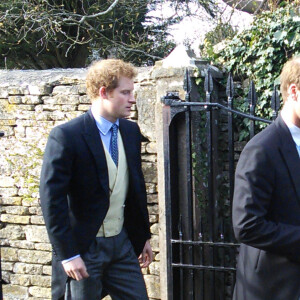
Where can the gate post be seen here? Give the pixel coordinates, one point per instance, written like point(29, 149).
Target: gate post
point(168, 76)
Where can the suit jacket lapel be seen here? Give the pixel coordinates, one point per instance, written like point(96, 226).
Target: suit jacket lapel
point(93, 139)
point(128, 145)
point(289, 153)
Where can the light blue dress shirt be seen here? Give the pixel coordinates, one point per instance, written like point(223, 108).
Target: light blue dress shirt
point(104, 127)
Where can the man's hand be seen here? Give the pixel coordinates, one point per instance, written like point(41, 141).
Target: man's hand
point(76, 269)
point(146, 257)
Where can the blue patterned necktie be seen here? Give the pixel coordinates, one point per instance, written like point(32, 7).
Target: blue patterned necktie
point(114, 143)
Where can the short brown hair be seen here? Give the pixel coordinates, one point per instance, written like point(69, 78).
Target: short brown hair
point(290, 74)
point(107, 73)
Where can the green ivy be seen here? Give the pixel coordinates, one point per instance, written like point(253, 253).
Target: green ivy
point(260, 52)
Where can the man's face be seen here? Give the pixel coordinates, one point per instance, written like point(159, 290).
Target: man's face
point(118, 102)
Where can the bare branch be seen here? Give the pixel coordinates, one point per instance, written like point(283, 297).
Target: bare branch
point(113, 5)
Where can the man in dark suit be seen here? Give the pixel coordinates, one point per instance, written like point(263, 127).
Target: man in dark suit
point(93, 194)
point(266, 204)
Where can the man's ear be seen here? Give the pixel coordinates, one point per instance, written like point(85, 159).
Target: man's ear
point(103, 92)
point(292, 91)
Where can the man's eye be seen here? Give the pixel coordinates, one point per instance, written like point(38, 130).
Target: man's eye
point(125, 92)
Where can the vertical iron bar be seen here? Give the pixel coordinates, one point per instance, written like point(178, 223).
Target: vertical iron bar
point(222, 255)
point(231, 168)
point(252, 98)
point(189, 198)
point(230, 94)
point(208, 84)
point(275, 103)
point(187, 85)
point(201, 259)
point(168, 209)
point(180, 258)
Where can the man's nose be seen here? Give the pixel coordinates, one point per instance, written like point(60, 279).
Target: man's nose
point(132, 99)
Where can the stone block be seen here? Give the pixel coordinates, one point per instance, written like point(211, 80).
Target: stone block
point(84, 100)
point(15, 99)
point(16, 90)
point(23, 268)
point(16, 210)
point(146, 99)
point(73, 115)
point(82, 88)
point(154, 228)
point(26, 115)
point(155, 243)
point(30, 202)
point(34, 256)
point(6, 276)
point(48, 107)
point(154, 268)
point(21, 244)
point(8, 192)
point(3, 92)
point(66, 90)
point(84, 107)
point(41, 89)
point(149, 158)
point(25, 108)
point(151, 147)
point(152, 198)
point(14, 292)
point(47, 270)
point(7, 266)
point(151, 188)
point(44, 116)
point(20, 279)
point(153, 286)
point(153, 218)
point(66, 99)
point(35, 211)
point(150, 172)
point(41, 292)
point(12, 232)
point(68, 107)
point(41, 280)
point(20, 132)
point(153, 209)
point(6, 181)
point(36, 234)
point(7, 122)
point(9, 254)
point(28, 99)
point(10, 200)
point(37, 220)
point(15, 219)
point(43, 246)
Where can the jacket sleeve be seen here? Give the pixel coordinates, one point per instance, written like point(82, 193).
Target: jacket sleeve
point(254, 190)
point(54, 185)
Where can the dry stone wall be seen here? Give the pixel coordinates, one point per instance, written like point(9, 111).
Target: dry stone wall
point(31, 104)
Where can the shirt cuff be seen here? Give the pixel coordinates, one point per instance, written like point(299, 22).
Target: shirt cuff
point(69, 259)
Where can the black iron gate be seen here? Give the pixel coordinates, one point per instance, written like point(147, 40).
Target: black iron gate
point(201, 149)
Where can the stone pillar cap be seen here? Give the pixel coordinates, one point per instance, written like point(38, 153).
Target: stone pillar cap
point(182, 57)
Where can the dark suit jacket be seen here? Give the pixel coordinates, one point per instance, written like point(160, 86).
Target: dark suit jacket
point(74, 190)
point(266, 217)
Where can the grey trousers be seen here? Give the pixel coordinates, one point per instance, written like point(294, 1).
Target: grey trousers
point(113, 266)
